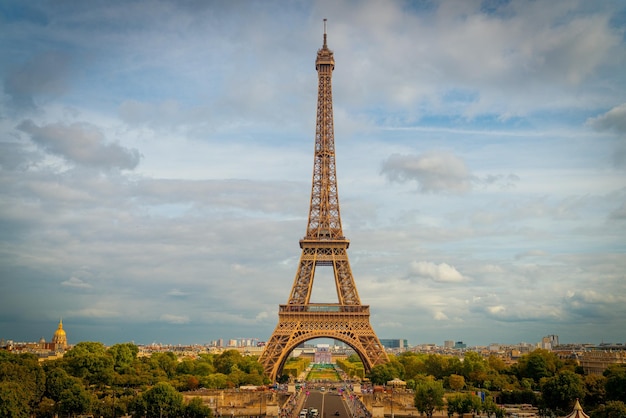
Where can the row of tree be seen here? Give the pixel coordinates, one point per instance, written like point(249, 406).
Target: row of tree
point(539, 378)
point(114, 381)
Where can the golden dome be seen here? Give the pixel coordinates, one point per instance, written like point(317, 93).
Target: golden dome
point(60, 338)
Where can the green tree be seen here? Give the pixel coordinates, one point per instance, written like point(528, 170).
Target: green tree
point(463, 404)
point(383, 373)
point(456, 382)
point(611, 409)
point(474, 368)
point(496, 364)
point(214, 381)
point(437, 365)
point(453, 405)
point(429, 397)
point(492, 408)
point(616, 382)
point(538, 364)
point(12, 403)
point(24, 370)
point(196, 409)
point(74, 400)
point(413, 364)
point(561, 391)
point(123, 356)
point(45, 409)
point(471, 403)
point(89, 360)
point(595, 391)
point(163, 401)
point(225, 362)
point(57, 381)
point(164, 364)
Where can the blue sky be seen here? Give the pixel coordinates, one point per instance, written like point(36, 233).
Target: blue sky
point(156, 160)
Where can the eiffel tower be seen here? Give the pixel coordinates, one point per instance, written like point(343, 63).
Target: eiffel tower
point(324, 245)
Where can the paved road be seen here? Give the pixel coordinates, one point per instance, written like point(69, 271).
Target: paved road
point(327, 403)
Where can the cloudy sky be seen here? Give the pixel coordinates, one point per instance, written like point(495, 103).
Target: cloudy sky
point(156, 161)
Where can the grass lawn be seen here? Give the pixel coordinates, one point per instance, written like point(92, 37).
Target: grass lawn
point(323, 372)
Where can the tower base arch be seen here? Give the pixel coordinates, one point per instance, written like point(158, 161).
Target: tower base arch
point(299, 323)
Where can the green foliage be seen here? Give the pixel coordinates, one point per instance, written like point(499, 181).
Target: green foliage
point(561, 391)
point(354, 358)
point(413, 364)
point(225, 362)
point(294, 367)
point(612, 409)
point(57, 381)
point(352, 368)
point(518, 396)
point(381, 374)
point(538, 364)
point(429, 397)
point(196, 409)
point(12, 403)
point(616, 382)
point(123, 356)
point(45, 409)
point(214, 381)
point(89, 361)
point(24, 370)
point(162, 400)
point(164, 364)
point(464, 404)
point(490, 408)
point(595, 390)
point(106, 382)
point(456, 382)
point(74, 400)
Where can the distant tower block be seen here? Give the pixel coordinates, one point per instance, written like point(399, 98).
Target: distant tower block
point(324, 245)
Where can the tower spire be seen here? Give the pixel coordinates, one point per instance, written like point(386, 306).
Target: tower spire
point(325, 34)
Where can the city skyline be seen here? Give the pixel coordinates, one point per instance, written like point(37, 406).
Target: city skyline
point(156, 157)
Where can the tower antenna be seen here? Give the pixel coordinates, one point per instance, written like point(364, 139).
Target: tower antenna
point(325, 32)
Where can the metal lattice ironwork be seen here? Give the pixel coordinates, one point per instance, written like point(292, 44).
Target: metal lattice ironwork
point(323, 245)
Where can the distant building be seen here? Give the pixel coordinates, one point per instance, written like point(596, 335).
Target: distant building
point(394, 343)
point(59, 339)
point(448, 344)
point(549, 342)
point(597, 361)
point(323, 354)
point(459, 345)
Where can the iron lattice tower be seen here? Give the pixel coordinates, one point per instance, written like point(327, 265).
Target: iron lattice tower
point(323, 245)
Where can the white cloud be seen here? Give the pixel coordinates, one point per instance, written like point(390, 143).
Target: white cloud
point(443, 272)
point(614, 119)
point(76, 282)
point(433, 171)
point(174, 319)
point(81, 143)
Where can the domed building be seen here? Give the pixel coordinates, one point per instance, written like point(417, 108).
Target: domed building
point(59, 339)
